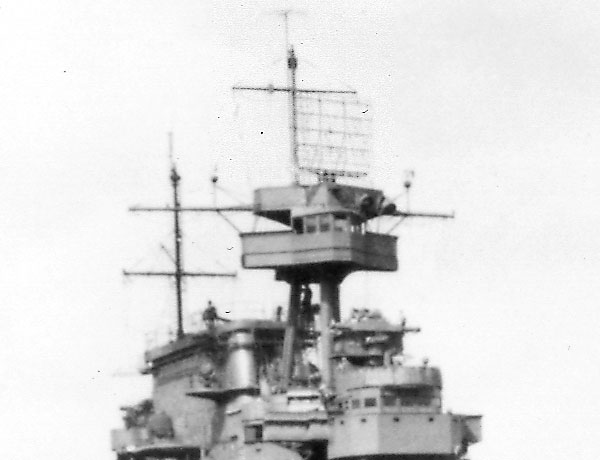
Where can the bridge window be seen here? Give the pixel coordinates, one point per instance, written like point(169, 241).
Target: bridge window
point(324, 222)
point(388, 399)
point(356, 404)
point(297, 225)
point(370, 402)
point(340, 224)
point(253, 433)
point(310, 224)
point(415, 397)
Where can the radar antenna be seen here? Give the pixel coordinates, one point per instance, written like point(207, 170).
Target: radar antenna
point(311, 150)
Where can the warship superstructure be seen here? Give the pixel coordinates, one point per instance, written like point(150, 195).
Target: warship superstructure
point(309, 382)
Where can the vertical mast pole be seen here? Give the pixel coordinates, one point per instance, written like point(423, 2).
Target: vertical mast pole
point(292, 64)
point(175, 178)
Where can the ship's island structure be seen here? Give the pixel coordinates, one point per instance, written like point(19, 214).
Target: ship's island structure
point(307, 383)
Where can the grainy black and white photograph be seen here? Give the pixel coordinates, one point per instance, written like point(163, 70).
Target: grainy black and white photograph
point(299, 230)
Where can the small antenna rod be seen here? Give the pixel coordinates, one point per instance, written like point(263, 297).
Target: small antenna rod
point(285, 14)
point(171, 160)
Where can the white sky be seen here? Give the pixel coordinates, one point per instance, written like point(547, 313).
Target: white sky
point(494, 104)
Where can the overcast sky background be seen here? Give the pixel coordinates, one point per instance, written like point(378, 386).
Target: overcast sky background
point(495, 105)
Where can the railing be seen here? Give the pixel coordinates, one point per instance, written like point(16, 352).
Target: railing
point(195, 324)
